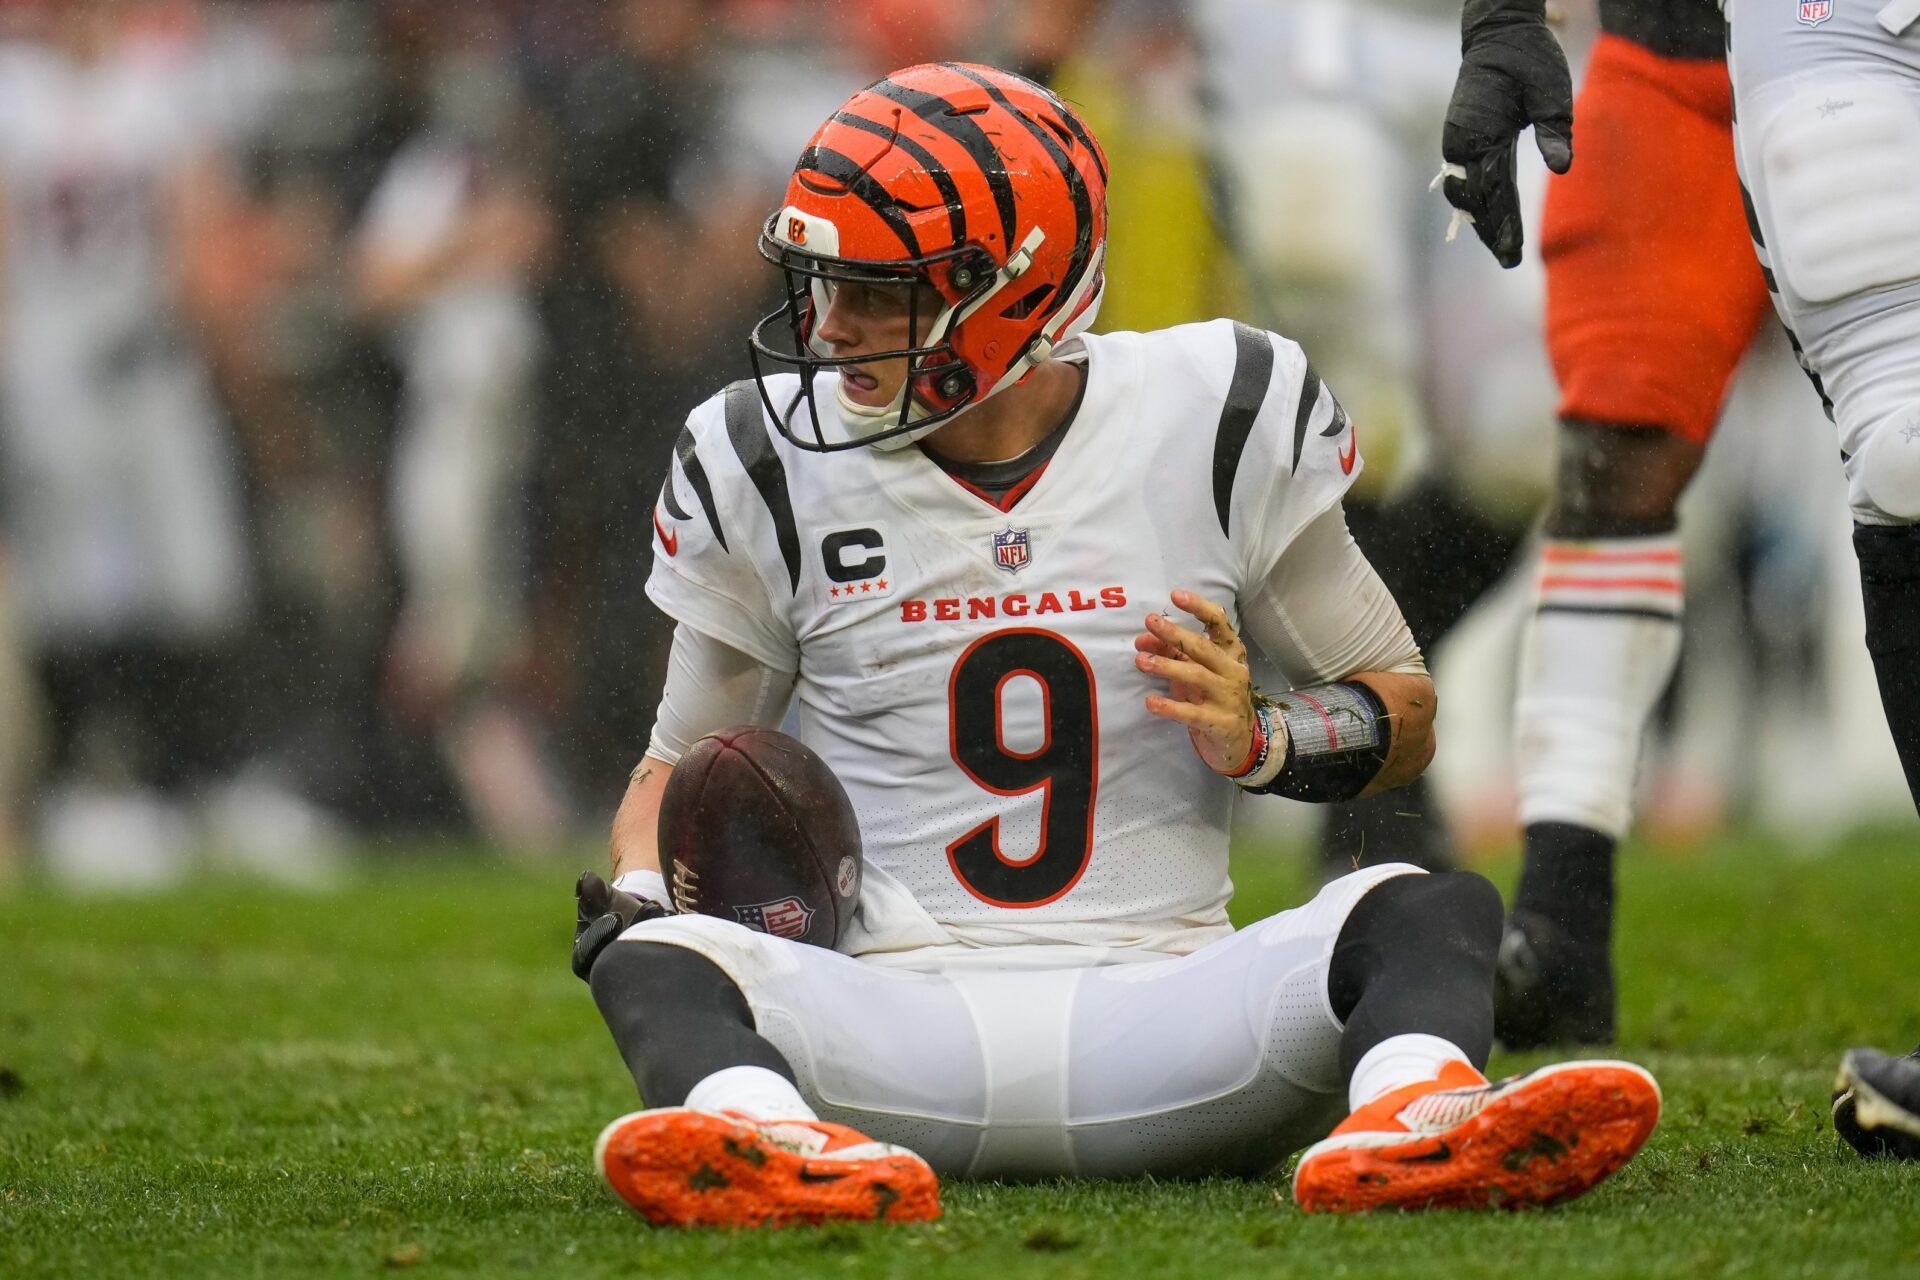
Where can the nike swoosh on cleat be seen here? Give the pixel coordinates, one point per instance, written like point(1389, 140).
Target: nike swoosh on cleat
point(812, 1175)
point(1438, 1155)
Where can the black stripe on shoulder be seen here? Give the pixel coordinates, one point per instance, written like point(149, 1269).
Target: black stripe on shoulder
point(956, 210)
point(1339, 424)
point(939, 113)
point(671, 501)
point(1252, 371)
point(748, 431)
point(702, 489)
point(831, 164)
point(1309, 397)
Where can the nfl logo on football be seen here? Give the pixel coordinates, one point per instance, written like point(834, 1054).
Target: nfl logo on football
point(787, 918)
point(1010, 550)
point(1815, 12)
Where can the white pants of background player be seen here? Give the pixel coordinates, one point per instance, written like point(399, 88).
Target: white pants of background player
point(1223, 1061)
point(1827, 104)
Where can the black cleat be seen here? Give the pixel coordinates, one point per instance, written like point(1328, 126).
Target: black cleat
point(1550, 988)
point(1876, 1104)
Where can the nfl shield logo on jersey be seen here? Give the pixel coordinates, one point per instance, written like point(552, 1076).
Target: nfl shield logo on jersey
point(1815, 12)
point(1010, 550)
point(787, 918)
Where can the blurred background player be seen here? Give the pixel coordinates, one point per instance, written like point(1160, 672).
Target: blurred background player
point(446, 258)
point(1652, 300)
point(643, 302)
point(1829, 103)
point(125, 543)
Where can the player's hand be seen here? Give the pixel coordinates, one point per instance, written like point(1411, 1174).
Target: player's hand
point(1209, 689)
point(1512, 74)
point(601, 914)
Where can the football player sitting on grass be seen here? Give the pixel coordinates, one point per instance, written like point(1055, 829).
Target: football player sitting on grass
point(1005, 568)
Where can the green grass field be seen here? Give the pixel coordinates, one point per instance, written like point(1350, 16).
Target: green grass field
point(231, 1081)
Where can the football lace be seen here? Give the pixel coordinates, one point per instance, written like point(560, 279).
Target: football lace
point(686, 887)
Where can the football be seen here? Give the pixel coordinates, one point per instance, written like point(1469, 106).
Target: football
point(754, 828)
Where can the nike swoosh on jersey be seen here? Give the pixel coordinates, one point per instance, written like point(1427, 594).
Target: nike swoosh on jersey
point(1348, 454)
point(668, 540)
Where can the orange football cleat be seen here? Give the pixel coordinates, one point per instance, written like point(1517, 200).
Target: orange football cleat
point(677, 1167)
point(1458, 1142)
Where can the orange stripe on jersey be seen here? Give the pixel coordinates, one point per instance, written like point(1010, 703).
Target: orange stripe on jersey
point(1579, 555)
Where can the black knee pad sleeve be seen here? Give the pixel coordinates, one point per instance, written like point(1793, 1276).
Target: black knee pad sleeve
point(1416, 956)
point(1409, 920)
point(677, 1018)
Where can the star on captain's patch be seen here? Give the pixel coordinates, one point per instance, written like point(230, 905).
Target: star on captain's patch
point(1831, 108)
point(1911, 431)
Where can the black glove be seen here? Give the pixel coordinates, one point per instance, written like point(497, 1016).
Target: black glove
point(601, 914)
point(1512, 74)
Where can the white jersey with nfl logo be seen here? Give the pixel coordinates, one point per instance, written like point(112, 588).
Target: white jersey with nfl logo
point(968, 672)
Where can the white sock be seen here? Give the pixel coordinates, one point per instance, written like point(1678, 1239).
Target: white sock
point(752, 1091)
point(1396, 1062)
point(1600, 649)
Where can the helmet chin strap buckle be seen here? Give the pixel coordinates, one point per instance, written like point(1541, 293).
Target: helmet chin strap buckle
point(1015, 266)
point(1022, 258)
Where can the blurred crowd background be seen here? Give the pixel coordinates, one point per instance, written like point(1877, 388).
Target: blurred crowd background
point(342, 343)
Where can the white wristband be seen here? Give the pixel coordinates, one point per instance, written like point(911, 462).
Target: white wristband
point(1273, 752)
point(650, 885)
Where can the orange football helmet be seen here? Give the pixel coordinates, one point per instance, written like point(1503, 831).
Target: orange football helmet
point(976, 182)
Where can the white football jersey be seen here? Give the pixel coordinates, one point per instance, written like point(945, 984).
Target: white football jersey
point(968, 672)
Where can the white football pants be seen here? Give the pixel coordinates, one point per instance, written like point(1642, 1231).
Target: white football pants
point(1223, 1061)
point(1827, 133)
